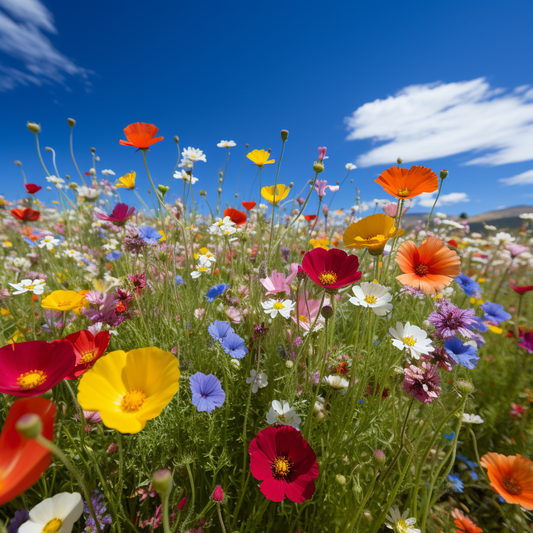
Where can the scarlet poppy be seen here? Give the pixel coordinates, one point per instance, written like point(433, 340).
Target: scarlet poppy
point(464, 524)
point(452, 243)
point(331, 269)
point(26, 214)
point(22, 460)
point(87, 348)
point(236, 216)
point(285, 463)
point(32, 368)
point(248, 205)
point(141, 135)
point(521, 290)
point(404, 184)
point(309, 217)
point(32, 188)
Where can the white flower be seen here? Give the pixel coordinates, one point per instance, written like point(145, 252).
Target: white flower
point(226, 144)
point(441, 215)
point(200, 269)
point(283, 413)
point(372, 295)
point(336, 381)
point(259, 380)
point(452, 224)
point(503, 238)
point(49, 242)
point(488, 227)
point(526, 216)
point(29, 285)
point(273, 307)
point(224, 227)
point(88, 193)
point(55, 514)
point(411, 338)
point(58, 182)
point(107, 171)
point(472, 419)
point(193, 154)
point(400, 523)
point(185, 176)
point(350, 166)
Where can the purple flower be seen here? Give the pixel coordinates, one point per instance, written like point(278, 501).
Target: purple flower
point(234, 345)
point(322, 185)
point(119, 216)
point(21, 516)
point(516, 249)
point(206, 391)
point(219, 330)
point(527, 342)
point(422, 383)
point(439, 356)
point(321, 153)
point(449, 320)
point(494, 312)
point(461, 353)
point(99, 509)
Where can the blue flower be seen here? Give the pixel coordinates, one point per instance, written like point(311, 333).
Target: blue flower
point(29, 241)
point(451, 436)
point(479, 325)
point(149, 235)
point(468, 285)
point(464, 354)
point(219, 330)
point(457, 483)
point(494, 312)
point(20, 517)
point(471, 465)
point(114, 255)
point(216, 290)
point(179, 280)
point(206, 391)
point(234, 345)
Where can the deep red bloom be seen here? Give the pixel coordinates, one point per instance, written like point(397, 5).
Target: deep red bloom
point(22, 460)
point(283, 460)
point(119, 216)
point(309, 217)
point(32, 368)
point(87, 348)
point(331, 269)
point(218, 495)
point(238, 217)
point(141, 135)
point(87, 174)
point(32, 188)
point(248, 205)
point(521, 290)
point(26, 214)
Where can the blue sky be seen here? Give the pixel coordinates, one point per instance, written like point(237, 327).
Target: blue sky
point(443, 84)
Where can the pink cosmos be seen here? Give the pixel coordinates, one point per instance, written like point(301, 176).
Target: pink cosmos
point(391, 209)
point(322, 185)
point(218, 494)
point(321, 153)
point(517, 411)
point(119, 216)
point(308, 311)
point(234, 315)
point(300, 201)
point(527, 342)
point(277, 282)
point(516, 249)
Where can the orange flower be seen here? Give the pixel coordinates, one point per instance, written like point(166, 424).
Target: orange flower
point(464, 524)
point(430, 267)
point(405, 184)
point(141, 135)
point(237, 217)
point(511, 477)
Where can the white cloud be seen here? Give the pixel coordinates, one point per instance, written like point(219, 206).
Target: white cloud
point(21, 38)
point(427, 199)
point(431, 121)
point(526, 178)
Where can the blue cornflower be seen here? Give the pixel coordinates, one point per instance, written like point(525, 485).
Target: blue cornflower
point(461, 353)
point(234, 345)
point(471, 465)
point(206, 391)
point(468, 285)
point(114, 255)
point(179, 280)
point(451, 436)
point(457, 483)
point(29, 241)
point(21, 516)
point(478, 324)
point(494, 312)
point(149, 235)
point(219, 330)
point(216, 290)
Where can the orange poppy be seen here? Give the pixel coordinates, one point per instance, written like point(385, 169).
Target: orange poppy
point(248, 205)
point(309, 217)
point(26, 214)
point(404, 184)
point(238, 217)
point(511, 477)
point(429, 267)
point(464, 524)
point(141, 135)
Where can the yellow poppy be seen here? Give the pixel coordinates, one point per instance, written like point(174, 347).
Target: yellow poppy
point(63, 301)
point(260, 157)
point(282, 191)
point(127, 181)
point(371, 232)
point(128, 389)
point(320, 243)
point(163, 236)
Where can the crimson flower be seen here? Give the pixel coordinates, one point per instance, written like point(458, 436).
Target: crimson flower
point(331, 269)
point(521, 290)
point(248, 205)
point(141, 135)
point(22, 460)
point(237, 217)
point(32, 368)
point(32, 188)
point(119, 216)
point(309, 217)
point(87, 348)
point(26, 214)
point(283, 460)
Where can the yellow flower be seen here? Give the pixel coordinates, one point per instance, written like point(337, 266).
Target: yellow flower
point(63, 301)
point(320, 243)
point(55, 202)
point(4, 312)
point(164, 237)
point(127, 181)
point(282, 191)
point(8, 244)
point(371, 232)
point(260, 157)
point(494, 329)
point(481, 280)
point(128, 389)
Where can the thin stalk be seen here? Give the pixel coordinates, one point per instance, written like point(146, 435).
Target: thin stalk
point(434, 204)
point(72, 155)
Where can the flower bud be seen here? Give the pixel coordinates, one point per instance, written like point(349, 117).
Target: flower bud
point(220, 180)
point(163, 189)
point(284, 135)
point(367, 516)
point(203, 193)
point(113, 448)
point(71, 122)
point(182, 503)
point(162, 482)
point(341, 480)
point(18, 163)
point(33, 127)
point(464, 387)
point(269, 150)
point(289, 364)
point(327, 311)
point(318, 167)
point(48, 149)
point(236, 195)
point(92, 171)
point(399, 161)
point(218, 495)
point(379, 458)
point(291, 184)
point(29, 425)
point(219, 190)
point(443, 174)
point(177, 140)
point(93, 150)
point(247, 145)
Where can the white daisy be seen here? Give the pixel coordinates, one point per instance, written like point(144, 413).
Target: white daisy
point(273, 307)
point(185, 176)
point(259, 381)
point(226, 144)
point(58, 182)
point(411, 338)
point(336, 381)
point(108, 172)
point(88, 193)
point(400, 522)
point(283, 413)
point(472, 419)
point(193, 154)
point(48, 242)
point(36, 286)
point(350, 166)
point(372, 295)
point(200, 269)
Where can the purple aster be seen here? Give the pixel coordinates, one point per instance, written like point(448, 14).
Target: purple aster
point(99, 509)
point(494, 312)
point(234, 345)
point(21, 516)
point(219, 330)
point(207, 392)
point(449, 320)
point(461, 353)
point(119, 216)
point(422, 383)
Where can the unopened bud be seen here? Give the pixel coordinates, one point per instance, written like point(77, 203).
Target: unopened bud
point(236, 195)
point(71, 122)
point(247, 145)
point(284, 135)
point(318, 167)
point(337, 182)
point(33, 127)
point(269, 150)
point(291, 184)
point(92, 172)
point(18, 163)
point(399, 161)
point(464, 387)
point(176, 139)
point(443, 174)
point(220, 180)
point(341, 480)
point(219, 190)
point(367, 516)
point(162, 482)
point(48, 149)
point(29, 425)
point(182, 503)
point(163, 189)
point(327, 311)
point(379, 458)
point(93, 150)
point(203, 193)
point(218, 495)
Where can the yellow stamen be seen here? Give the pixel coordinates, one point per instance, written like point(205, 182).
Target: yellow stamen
point(409, 341)
point(281, 467)
point(132, 401)
point(402, 193)
point(370, 299)
point(328, 278)
point(512, 486)
point(279, 305)
point(53, 526)
point(31, 379)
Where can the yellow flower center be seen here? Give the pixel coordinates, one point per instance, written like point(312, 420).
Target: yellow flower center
point(402, 526)
point(202, 269)
point(304, 319)
point(30, 287)
point(31, 379)
point(402, 193)
point(512, 486)
point(421, 270)
point(53, 526)
point(281, 467)
point(409, 341)
point(88, 356)
point(133, 400)
point(279, 305)
point(370, 299)
point(328, 278)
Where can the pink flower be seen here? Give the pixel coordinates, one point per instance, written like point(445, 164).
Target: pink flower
point(300, 201)
point(119, 216)
point(234, 315)
point(308, 311)
point(322, 185)
point(182, 503)
point(199, 313)
point(516, 249)
point(218, 495)
point(325, 210)
point(276, 282)
point(517, 411)
point(391, 209)
point(321, 153)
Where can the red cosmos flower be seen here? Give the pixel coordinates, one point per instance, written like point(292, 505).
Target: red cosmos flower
point(22, 460)
point(248, 205)
point(119, 216)
point(141, 135)
point(283, 460)
point(26, 214)
point(521, 290)
point(238, 217)
point(87, 348)
point(331, 269)
point(32, 188)
point(309, 217)
point(32, 368)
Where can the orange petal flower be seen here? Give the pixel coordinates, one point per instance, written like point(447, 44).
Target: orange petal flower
point(141, 135)
point(238, 217)
point(403, 183)
point(464, 524)
point(511, 477)
point(430, 267)
point(25, 215)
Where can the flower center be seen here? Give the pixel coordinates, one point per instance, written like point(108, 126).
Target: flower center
point(409, 341)
point(279, 305)
point(30, 287)
point(202, 269)
point(421, 269)
point(281, 467)
point(304, 319)
point(370, 299)
point(132, 401)
point(88, 356)
point(328, 277)
point(512, 486)
point(402, 526)
point(120, 308)
point(402, 193)
point(53, 526)
point(31, 379)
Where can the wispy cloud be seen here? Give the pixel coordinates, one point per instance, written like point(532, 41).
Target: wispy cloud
point(22, 23)
point(427, 199)
point(423, 122)
point(526, 178)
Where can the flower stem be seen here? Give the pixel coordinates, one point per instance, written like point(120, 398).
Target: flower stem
point(220, 518)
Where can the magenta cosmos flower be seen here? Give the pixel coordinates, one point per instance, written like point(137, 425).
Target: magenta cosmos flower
point(322, 185)
point(119, 216)
point(331, 269)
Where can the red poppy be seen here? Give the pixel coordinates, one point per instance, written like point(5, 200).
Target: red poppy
point(283, 460)
point(141, 135)
point(32, 368)
point(87, 348)
point(464, 524)
point(22, 460)
point(521, 290)
point(452, 243)
point(87, 174)
point(32, 188)
point(238, 217)
point(309, 217)
point(331, 269)
point(26, 214)
point(248, 205)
